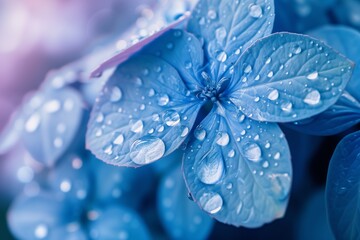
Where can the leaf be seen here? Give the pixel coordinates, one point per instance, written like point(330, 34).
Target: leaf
point(184, 52)
point(114, 184)
point(342, 189)
point(51, 121)
point(238, 170)
point(229, 27)
point(38, 217)
point(144, 113)
point(344, 114)
point(288, 77)
point(314, 214)
point(181, 218)
point(345, 40)
point(135, 47)
point(117, 222)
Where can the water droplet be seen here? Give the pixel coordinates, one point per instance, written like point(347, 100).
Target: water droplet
point(255, 10)
point(171, 118)
point(100, 118)
point(280, 184)
point(108, 150)
point(211, 202)
point(270, 74)
point(65, 186)
point(210, 168)
point(222, 56)
point(41, 231)
point(312, 98)
point(137, 127)
point(185, 132)
point(151, 92)
point(220, 34)
point(313, 76)
point(286, 107)
point(212, 14)
point(155, 117)
point(200, 134)
point(58, 142)
point(267, 145)
point(147, 150)
point(231, 153)
point(265, 164)
point(52, 106)
point(32, 123)
point(248, 69)
point(277, 156)
point(268, 61)
point(229, 186)
point(163, 99)
point(273, 95)
point(116, 94)
point(119, 139)
point(252, 151)
point(297, 50)
point(223, 139)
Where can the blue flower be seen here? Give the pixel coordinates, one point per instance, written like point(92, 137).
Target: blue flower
point(237, 161)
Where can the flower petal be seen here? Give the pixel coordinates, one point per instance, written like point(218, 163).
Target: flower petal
point(229, 27)
point(342, 188)
point(144, 113)
point(237, 169)
point(181, 218)
point(51, 121)
point(288, 77)
point(183, 51)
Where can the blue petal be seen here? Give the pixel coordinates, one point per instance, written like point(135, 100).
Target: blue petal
point(346, 41)
point(116, 222)
point(51, 121)
point(11, 133)
point(181, 218)
point(183, 51)
point(121, 185)
point(71, 177)
point(288, 77)
point(342, 188)
point(344, 114)
point(229, 27)
point(144, 113)
point(237, 169)
point(312, 223)
point(38, 217)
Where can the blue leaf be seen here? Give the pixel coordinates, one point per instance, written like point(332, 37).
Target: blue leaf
point(181, 218)
point(288, 77)
point(121, 185)
point(38, 217)
point(344, 114)
point(346, 41)
point(71, 177)
point(144, 113)
point(184, 52)
point(342, 189)
point(116, 222)
point(237, 169)
point(229, 27)
point(313, 222)
point(51, 121)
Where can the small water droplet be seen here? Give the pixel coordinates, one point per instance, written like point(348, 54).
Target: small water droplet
point(155, 117)
point(211, 202)
point(116, 94)
point(65, 186)
point(286, 107)
point(273, 95)
point(147, 150)
point(41, 231)
point(231, 153)
point(32, 123)
point(212, 14)
point(200, 134)
point(268, 61)
point(223, 139)
point(297, 50)
point(100, 118)
point(222, 56)
point(108, 150)
point(220, 34)
point(255, 10)
point(163, 99)
point(171, 118)
point(252, 151)
point(313, 76)
point(270, 74)
point(52, 106)
point(137, 127)
point(277, 156)
point(58, 142)
point(265, 164)
point(248, 69)
point(119, 139)
point(185, 132)
point(312, 98)
point(151, 92)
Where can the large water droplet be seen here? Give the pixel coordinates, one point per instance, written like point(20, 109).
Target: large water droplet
point(137, 127)
point(147, 150)
point(211, 202)
point(210, 168)
point(312, 98)
point(171, 118)
point(273, 95)
point(252, 151)
point(255, 10)
point(313, 76)
point(223, 139)
point(163, 99)
point(32, 123)
point(116, 94)
point(200, 134)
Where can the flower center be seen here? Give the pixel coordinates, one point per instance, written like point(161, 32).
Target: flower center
point(212, 89)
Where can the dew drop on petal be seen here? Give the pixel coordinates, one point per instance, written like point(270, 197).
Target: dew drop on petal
point(210, 168)
point(147, 150)
point(223, 139)
point(313, 76)
point(137, 127)
point(222, 56)
point(52, 106)
point(255, 10)
point(116, 94)
point(119, 139)
point(286, 107)
point(171, 118)
point(252, 152)
point(151, 92)
point(277, 156)
point(163, 99)
point(312, 98)
point(211, 202)
point(273, 95)
point(185, 132)
point(212, 14)
point(65, 186)
point(32, 123)
point(231, 153)
point(200, 134)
